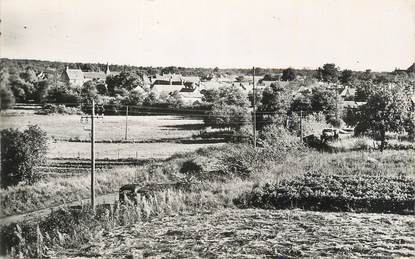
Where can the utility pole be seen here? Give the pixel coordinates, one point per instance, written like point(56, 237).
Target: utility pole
point(126, 123)
point(92, 132)
point(254, 107)
point(93, 156)
point(301, 125)
point(337, 100)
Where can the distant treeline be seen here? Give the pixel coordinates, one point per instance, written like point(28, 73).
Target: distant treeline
point(50, 66)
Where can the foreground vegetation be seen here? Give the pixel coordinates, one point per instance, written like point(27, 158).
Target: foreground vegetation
point(221, 177)
point(252, 233)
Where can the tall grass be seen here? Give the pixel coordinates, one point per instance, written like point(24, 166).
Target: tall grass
point(56, 191)
point(73, 227)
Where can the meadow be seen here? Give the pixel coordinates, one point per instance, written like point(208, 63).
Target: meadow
point(140, 128)
point(148, 136)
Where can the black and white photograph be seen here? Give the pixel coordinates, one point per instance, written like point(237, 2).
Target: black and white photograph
point(207, 129)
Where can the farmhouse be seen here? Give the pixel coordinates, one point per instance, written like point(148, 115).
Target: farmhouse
point(191, 96)
point(76, 77)
point(348, 93)
point(168, 79)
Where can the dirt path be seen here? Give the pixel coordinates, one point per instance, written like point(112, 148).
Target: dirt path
point(258, 233)
point(107, 198)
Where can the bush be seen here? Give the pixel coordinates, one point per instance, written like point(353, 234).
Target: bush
point(202, 168)
point(312, 124)
point(21, 152)
point(60, 109)
point(278, 142)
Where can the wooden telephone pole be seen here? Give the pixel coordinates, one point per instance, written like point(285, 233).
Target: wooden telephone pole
point(93, 117)
point(254, 107)
point(126, 123)
point(93, 157)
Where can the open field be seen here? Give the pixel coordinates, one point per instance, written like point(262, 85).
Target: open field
point(65, 127)
point(61, 128)
point(234, 233)
point(120, 150)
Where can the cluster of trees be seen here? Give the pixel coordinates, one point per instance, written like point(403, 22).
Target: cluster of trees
point(125, 88)
point(228, 108)
point(16, 86)
point(388, 108)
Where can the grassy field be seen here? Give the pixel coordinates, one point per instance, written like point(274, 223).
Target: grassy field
point(65, 127)
point(120, 150)
point(61, 128)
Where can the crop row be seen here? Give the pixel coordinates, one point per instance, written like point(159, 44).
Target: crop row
point(328, 192)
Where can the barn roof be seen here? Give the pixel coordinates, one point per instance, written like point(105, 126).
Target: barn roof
point(192, 79)
point(190, 94)
point(75, 74)
point(348, 91)
point(168, 77)
point(95, 75)
point(166, 88)
point(411, 68)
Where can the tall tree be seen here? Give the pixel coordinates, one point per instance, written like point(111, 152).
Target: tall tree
point(126, 80)
point(229, 109)
point(329, 73)
point(323, 100)
point(388, 109)
point(346, 77)
point(6, 95)
point(274, 108)
point(288, 74)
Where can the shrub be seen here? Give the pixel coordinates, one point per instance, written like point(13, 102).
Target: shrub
point(21, 152)
point(202, 168)
point(278, 142)
point(312, 124)
point(60, 108)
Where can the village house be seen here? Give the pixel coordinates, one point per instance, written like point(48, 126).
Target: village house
point(348, 93)
point(76, 77)
point(186, 86)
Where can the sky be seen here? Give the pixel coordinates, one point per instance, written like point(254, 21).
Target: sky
point(353, 34)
